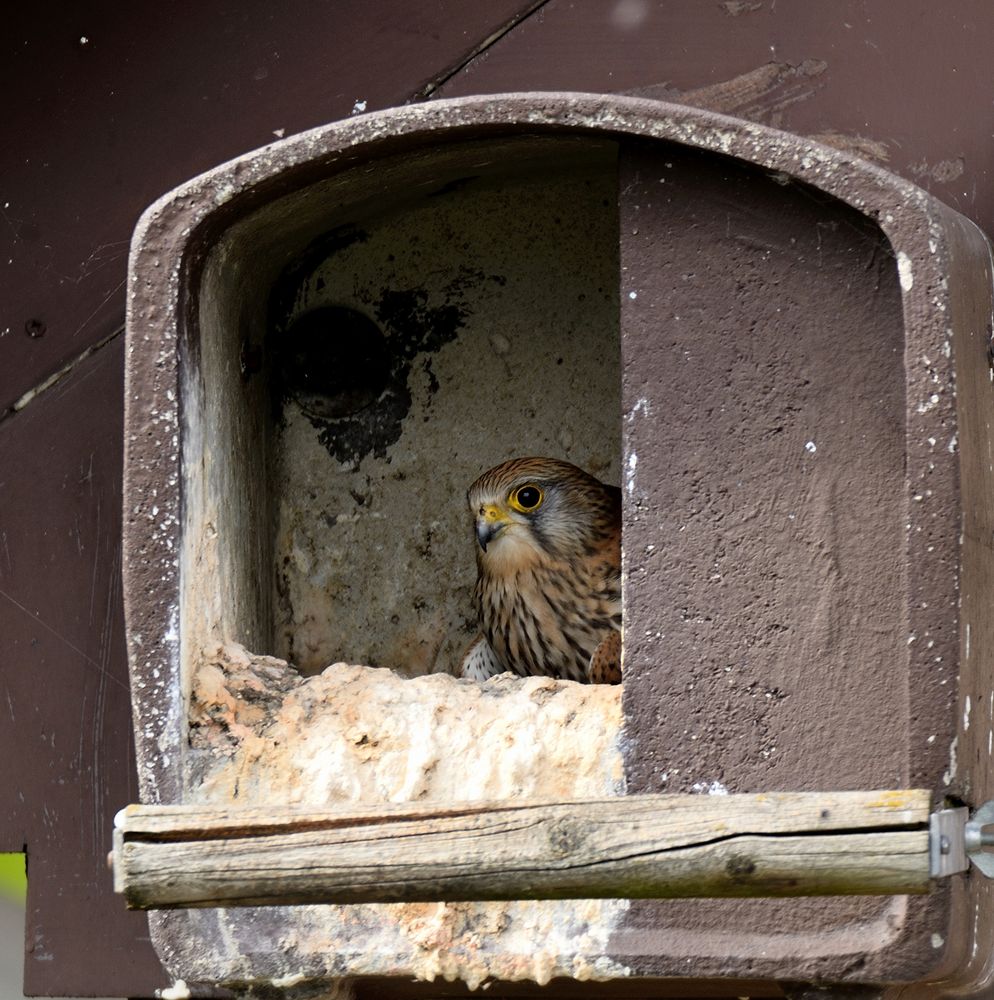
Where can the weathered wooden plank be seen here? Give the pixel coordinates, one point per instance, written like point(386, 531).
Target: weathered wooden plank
point(639, 846)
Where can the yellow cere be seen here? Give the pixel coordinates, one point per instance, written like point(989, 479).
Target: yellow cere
point(492, 513)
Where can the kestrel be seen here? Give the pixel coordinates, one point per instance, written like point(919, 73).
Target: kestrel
point(548, 591)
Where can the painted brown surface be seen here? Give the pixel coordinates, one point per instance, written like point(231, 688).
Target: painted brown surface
point(101, 128)
point(98, 129)
point(766, 629)
point(906, 82)
point(65, 739)
point(972, 909)
point(117, 105)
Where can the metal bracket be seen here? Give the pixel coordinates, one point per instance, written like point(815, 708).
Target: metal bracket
point(947, 842)
point(956, 838)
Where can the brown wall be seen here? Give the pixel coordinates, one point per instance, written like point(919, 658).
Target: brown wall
point(96, 129)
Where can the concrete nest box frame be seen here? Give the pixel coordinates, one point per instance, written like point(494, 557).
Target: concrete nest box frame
point(780, 352)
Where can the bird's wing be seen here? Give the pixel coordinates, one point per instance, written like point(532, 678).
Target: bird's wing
point(605, 664)
point(480, 661)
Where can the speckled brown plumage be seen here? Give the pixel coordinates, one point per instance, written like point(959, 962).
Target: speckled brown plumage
point(548, 592)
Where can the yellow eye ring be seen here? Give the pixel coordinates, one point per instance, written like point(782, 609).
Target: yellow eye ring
point(526, 498)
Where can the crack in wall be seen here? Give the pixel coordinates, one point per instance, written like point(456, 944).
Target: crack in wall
point(57, 376)
point(425, 93)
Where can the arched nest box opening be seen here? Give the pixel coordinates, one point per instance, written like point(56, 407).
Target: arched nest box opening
point(330, 338)
point(463, 312)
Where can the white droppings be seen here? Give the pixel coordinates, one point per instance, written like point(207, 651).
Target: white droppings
point(966, 714)
point(178, 991)
point(708, 788)
point(938, 941)
point(951, 447)
point(630, 475)
point(283, 982)
point(633, 295)
point(324, 749)
point(641, 406)
point(811, 447)
point(904, 271)
point(950, 772)
point(172, 633)
point(359, 107)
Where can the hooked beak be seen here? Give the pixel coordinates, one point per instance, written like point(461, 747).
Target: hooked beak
point(490, 522)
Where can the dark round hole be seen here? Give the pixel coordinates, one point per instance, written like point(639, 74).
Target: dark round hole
point(333, 361)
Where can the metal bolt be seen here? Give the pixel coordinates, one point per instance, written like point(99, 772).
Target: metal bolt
point(978, 837)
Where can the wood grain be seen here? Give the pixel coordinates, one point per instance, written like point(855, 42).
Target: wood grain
point(647, 846)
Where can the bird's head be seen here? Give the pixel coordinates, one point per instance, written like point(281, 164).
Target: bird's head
point(529, 509)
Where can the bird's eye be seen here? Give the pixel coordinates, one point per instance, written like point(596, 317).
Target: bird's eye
point(526, 498)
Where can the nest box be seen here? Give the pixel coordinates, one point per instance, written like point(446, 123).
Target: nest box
point(781, 354)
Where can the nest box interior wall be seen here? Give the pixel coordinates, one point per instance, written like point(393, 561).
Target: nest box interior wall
point(371, 346)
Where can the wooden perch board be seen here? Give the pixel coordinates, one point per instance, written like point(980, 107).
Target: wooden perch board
point(853, 843)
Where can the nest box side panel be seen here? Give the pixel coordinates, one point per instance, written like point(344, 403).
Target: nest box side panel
point(765, 621)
